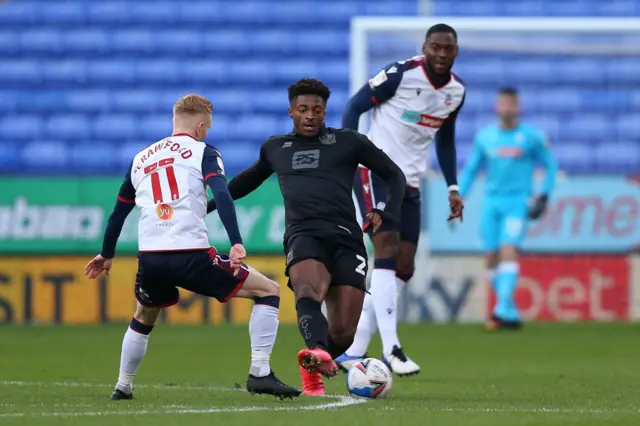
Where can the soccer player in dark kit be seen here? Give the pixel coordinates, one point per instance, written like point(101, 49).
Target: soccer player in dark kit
point(323, 242)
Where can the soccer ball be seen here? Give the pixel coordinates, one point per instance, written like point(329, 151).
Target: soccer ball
point(369, 378)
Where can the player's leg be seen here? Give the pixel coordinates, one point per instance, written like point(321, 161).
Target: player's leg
point(395, 357)
point(512, 233)
point(211, 275)
point(346, 294)
point(383, 286)
point(490, 235)
point(367, 325)
point(153, 292)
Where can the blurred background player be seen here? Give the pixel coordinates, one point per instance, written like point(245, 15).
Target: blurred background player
point(326, 257)
point(167, 181)
point(413, 102)
point(510, 150)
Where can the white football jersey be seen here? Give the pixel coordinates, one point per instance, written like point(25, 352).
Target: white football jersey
point(409, 112)
point(171, 193)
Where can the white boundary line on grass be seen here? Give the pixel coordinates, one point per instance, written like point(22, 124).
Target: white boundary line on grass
point(342, 401)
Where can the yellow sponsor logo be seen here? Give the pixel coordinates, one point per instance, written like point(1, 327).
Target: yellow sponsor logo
point(54, 290)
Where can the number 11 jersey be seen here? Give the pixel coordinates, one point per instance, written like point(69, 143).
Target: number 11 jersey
point(167, 180)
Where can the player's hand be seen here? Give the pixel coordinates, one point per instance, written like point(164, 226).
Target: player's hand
point(237, 254)
point(538, 208)
point(456, 205)
point(376, 218)
point(97, 265)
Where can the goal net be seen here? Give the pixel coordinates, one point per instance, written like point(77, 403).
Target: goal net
point(579, 81)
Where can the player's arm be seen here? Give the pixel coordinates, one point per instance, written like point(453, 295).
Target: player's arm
point(471, 168)
point(124, 205)
point(247, 181)
point(545, 157)
point(379, 163)
point(213, 173)
point(446, 149)
point(447, 157)
point(378, 90)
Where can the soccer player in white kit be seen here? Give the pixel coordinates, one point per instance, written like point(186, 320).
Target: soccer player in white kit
point(168, 182)
point(413, 102)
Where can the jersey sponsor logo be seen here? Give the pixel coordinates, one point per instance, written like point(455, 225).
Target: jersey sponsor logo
point(306, 159)
point(164, 211)
point(379, 78)
point(422, 119)
point(510, 152)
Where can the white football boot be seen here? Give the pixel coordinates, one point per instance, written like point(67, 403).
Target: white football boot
point(401, 364)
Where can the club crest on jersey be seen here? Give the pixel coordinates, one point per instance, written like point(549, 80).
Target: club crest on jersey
point(164, 211)
point(328, 139)
point(448, 99)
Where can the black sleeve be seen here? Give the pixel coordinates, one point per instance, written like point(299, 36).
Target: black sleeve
point(446, 147)
point(124, 205)
point(248, 180)
point(378, 90)
point(379, 163)
point(213, 174)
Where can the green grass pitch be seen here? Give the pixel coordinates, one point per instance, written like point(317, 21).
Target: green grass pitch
point(549, 374)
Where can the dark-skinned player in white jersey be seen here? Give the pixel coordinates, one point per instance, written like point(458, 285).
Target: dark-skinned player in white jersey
point(414, 102)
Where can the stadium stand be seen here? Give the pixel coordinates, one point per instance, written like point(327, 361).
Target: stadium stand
point(85, 84)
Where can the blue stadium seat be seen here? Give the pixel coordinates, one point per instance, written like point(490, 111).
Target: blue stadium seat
point(628, 127)
point(111, 72)
point(87, 101)
point(575, 156)
point(21, 73)
point(65, 73)
point(586, 127)
point(59, 13)
point(238, 155)
point(138, 101)
point(94, 158)
point(72, 127)
point(152, 128)
point(20, 127)
point(89, 42)
point(10, 158)
point(44, 157)
point(114, 127)
point(9, 42)
point(614, 156)
point(19, 13)
point(41, 42)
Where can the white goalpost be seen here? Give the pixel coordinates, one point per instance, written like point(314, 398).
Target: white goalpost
point(541, 48)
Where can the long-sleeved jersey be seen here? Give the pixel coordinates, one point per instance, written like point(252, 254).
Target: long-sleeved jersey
point(167, 181)
point(409, 112)
point(510, 157)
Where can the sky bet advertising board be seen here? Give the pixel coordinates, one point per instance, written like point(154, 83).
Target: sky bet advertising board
point(584, 215)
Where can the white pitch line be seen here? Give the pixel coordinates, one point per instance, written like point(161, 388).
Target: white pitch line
point(342, 401)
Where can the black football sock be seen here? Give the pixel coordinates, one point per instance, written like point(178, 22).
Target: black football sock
point(336, 349)
point(312, 323)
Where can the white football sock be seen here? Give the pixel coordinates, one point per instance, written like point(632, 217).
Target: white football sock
point(134, 347)
point(399, 286)
point(366, 328)
point(263, 329)
point(384, 292)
